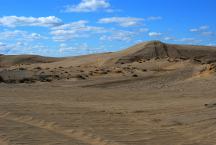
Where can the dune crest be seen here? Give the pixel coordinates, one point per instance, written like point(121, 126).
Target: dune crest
point(159, 50)
point(134, 61)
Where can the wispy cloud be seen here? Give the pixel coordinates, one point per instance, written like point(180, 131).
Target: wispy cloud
point(2, 46)
point(76, 49)
point(88, 6)
point(23, 48)
point(20, 35)
point(200, 29)
point(189, 40)
point(154, 18)
point(119, 35)
point(203, 30)
point(154, 34)
point(168, 38)
point(74, 30)
point(122, 21)
point(15, 21)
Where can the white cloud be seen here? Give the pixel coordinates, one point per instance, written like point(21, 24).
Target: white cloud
point(143, 30)
point(65, 48)
point(203, 30)
point(23, 48)
point(119, 35)
point(2, 44)
point(205, 27)
point(169, 38)
point(207, 33)
point(80, 23)
point(189, 40)
point(88, 6)
point(211, 44)
point(122, 21)
point(194, 30)
point(3, 47)
point(78, 49)
point(154, 34)
point(20, 35)
point(73, 30)
point(154, 18)
point(14, 21)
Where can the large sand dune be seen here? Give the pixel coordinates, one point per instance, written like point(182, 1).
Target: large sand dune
point(150, 94)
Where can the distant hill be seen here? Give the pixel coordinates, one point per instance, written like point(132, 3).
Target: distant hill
point(158, 50)
point(154, 57)
point(10, 60)
point(142, 51)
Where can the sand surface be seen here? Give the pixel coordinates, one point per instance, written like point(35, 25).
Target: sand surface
point(100, 100)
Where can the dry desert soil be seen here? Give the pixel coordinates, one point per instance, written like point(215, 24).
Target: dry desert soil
point(150, 94)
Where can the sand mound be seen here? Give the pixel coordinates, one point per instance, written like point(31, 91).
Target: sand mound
point(159, 50)
point(135, 62)
point(207, 71)
point(11, 60)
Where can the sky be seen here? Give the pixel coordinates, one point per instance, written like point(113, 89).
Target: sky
point(77, 27)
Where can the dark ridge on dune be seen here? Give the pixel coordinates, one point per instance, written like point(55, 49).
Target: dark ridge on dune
point(159, 50)
point(10, 60)
point(1, 79)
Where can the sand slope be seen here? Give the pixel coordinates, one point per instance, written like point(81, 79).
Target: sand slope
point(150, 94)
point(11, 60)
point(149, 53)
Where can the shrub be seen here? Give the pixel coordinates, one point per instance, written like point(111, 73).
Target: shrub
point(1, 79)
point(82, 77)
point(26, 80)
point(21, 68)
point(38, 68)
point(135, 75)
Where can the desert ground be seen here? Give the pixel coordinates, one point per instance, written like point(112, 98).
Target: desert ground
point(150, 94)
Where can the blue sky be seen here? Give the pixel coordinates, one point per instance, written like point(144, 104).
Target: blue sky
point(77, 27)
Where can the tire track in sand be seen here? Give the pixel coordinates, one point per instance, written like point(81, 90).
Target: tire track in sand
point(4, 140)
point(79, 135)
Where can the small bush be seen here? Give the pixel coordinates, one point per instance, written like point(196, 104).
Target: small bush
point(21, 68)
point(118, 71)
point(82, 77)
point(135, 75)
point(1, 79)
point(26, 80)
point(38, 68)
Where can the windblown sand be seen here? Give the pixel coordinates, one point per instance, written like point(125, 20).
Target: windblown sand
point(103, 100)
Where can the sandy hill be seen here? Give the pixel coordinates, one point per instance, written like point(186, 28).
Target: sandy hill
point(150, 94)
point(135, 61)
point(157, 49)
point(10, 60)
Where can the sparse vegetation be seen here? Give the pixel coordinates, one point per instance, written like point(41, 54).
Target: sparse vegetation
point(135, 75)
point(1, 79)
point(22, 68)
point(27, 80)
point(82, 76)
point(38, 68)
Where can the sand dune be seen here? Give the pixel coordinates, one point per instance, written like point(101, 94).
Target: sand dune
point(149, 94)
point(124, 62)
point(12, 60)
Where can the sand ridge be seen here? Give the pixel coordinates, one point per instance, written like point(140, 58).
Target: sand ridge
point(149, 94)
